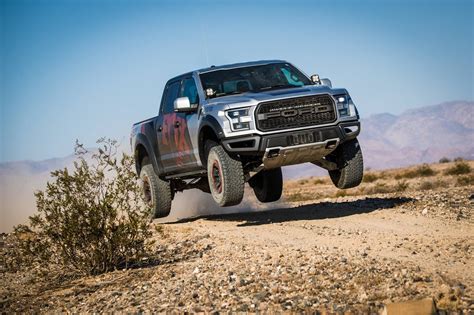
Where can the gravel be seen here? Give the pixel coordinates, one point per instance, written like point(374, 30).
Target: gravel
point(352, 254)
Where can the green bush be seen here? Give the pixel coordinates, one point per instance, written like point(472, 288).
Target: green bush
point(91, 219)
point(458, 169)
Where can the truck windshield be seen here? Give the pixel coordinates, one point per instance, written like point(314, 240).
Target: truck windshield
point(253, 79)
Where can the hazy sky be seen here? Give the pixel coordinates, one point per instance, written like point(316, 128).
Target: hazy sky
point(85, 69)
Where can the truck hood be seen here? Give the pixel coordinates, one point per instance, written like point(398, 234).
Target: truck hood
point(251, 98)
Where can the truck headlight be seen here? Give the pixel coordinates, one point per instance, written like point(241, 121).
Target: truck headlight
point(345, 106)
point(239, 119)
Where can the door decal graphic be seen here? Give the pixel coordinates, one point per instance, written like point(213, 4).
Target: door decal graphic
point(176, 137)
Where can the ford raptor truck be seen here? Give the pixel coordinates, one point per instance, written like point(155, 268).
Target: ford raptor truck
point(221, 127)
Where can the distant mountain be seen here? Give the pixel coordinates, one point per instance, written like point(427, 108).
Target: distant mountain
point(417, 136)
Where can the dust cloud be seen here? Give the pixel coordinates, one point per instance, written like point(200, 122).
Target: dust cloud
point(195, 203)
point(17, 200)
point(20, 180)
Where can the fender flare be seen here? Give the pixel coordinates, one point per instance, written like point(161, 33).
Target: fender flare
point(142, 140)
point(212, 123)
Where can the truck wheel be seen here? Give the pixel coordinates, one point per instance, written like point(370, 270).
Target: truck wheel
point(157, 192)
point(348, 157)
point(267, 185)
point(226, 177)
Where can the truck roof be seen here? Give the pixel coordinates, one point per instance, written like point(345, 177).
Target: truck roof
point(238, 65)
point(229, 66)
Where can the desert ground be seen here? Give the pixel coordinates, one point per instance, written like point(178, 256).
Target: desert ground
point(404, 234)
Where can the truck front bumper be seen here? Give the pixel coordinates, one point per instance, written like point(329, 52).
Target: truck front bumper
point(293, 147)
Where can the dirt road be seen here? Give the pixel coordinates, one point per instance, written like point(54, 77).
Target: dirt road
point(378, 228)
point(396, 247)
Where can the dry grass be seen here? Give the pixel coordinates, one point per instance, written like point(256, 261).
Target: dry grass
point(319, 181)
point(341, 193)
point(378, 188)
point(465, 180)
point(396, 181)
point(298, 197)
point(421, 171)
point(459, 168)
point(429, 185)
point(401, 186)
point(370, 177)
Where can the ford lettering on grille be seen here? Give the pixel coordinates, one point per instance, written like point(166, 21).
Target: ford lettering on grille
point(295, 112)
point(317, 108)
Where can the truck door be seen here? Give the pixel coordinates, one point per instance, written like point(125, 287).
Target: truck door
point(166, 125)
point(186, 125)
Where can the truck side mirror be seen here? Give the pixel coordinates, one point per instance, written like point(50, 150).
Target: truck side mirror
point(326, 82)
point(182, 104)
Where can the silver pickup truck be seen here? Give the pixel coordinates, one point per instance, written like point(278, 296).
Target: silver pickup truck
point(221, 127)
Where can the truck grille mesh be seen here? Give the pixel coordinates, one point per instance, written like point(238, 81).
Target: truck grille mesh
point(295, 112)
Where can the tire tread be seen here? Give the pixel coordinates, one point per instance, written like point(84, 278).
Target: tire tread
point(161, 192)
point(233, 174)
point(349, 158)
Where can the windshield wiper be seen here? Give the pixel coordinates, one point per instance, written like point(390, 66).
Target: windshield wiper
point(277, 86)
point(228, 93)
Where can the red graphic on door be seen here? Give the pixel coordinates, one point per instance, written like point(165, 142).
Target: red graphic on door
point(175, 132)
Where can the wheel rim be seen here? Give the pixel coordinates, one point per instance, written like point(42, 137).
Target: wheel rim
point(216, 177)
point(147, 190)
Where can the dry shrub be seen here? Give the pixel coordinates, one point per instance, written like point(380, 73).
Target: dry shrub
point(319, 181)
point(90, 220)
point(458, 168)
point(302, 182)
point(299, 197)
point(465, 180)
point(370, 177)
point(428, 185)
point(378, 188)
point(341, 193)
point(421, 171)
point(444, 160)
point(401, 186)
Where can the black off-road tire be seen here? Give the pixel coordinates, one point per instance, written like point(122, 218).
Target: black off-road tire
point(348, 157)
point(267, 185)
point(225, 175)
point(157, 192)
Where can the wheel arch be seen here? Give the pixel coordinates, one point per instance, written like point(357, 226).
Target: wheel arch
point(208, 130)
point(144, 150)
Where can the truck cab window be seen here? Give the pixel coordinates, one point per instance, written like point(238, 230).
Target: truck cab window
point(171, 95)
point(189, 89)
point(291, 78)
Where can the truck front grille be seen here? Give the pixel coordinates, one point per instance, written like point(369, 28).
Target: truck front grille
point(295, 112)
